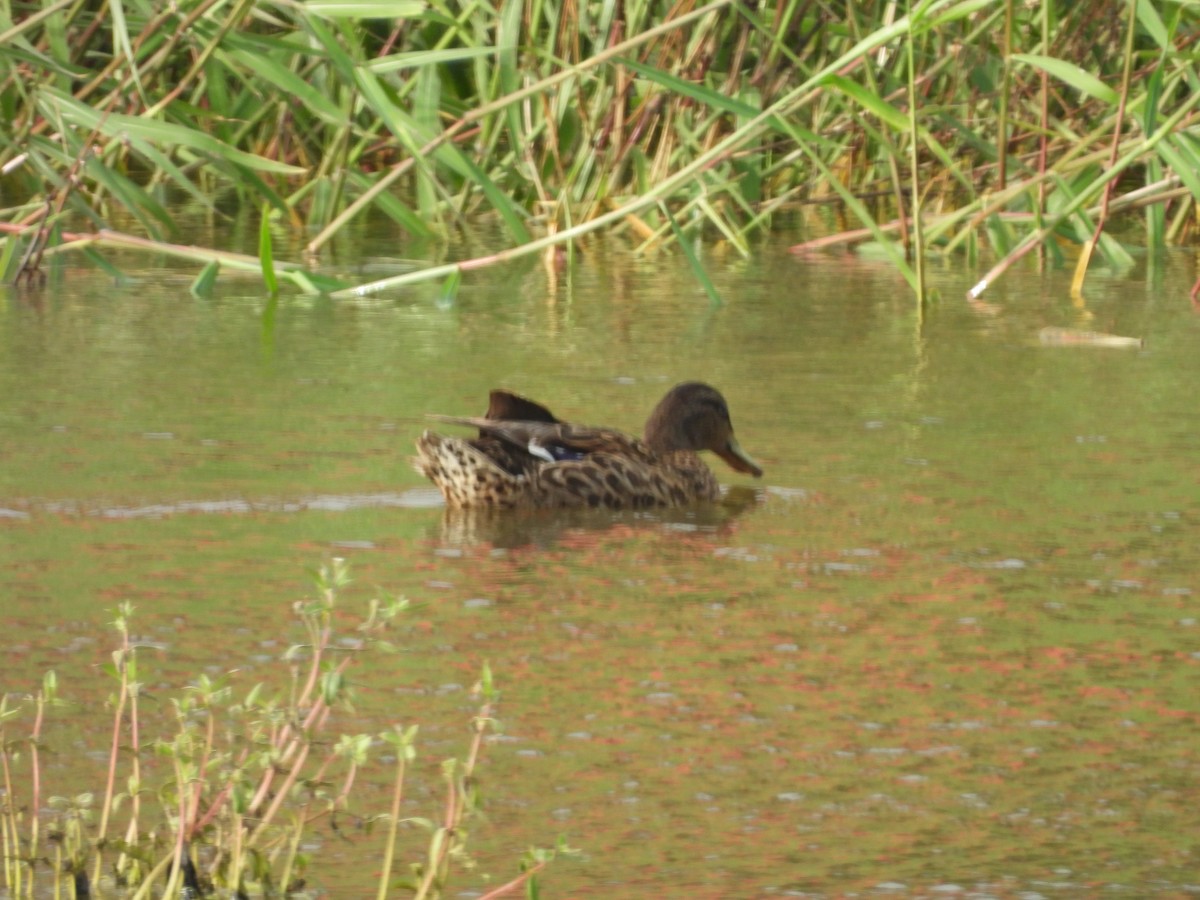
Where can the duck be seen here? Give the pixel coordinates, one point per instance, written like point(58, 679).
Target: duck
point(525, 456)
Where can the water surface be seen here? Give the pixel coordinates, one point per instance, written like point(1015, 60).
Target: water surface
point(949, 643)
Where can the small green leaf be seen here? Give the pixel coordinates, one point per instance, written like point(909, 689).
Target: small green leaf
point(414, 59)
point(9, 248)
point(690, 89)
point(1152, 23)
point(120, 34)
point(366, 9)
point(1071, 74)
point(1183, 159)
point(449, 292)
point(203, 284)
point(265, 255)
point(502, 201)
point(121, 126)
point(693, 260)
point(871, 102)
point(100, 261)
point(267, 340)
point(139, 202)
point(300, 90)
point(312, 283)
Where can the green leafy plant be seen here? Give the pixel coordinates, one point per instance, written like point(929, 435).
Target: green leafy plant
point(244, 778)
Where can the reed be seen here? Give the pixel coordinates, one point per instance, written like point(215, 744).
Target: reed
point(1014, 126)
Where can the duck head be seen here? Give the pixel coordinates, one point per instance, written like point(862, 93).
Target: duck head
point(694, 416)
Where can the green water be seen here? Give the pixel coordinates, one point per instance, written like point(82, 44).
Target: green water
point(950, 640)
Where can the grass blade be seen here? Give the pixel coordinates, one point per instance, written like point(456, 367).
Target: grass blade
point(366, 9)
point(693, 260)
point(1069, 73)
point(265, 254)
point(120, 126)
point(202, 284)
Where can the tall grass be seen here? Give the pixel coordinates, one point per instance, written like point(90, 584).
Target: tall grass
point(935, 124)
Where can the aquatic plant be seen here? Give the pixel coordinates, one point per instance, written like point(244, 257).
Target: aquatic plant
point(238, 784)
point(957, 124)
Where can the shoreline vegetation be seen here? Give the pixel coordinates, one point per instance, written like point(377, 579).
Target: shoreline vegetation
point(987, 128)
point(225, 803)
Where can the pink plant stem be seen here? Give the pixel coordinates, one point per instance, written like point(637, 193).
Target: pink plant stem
point(37, 774)
point(514, 884)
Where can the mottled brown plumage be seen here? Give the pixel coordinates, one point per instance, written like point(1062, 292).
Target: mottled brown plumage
point(526, 457)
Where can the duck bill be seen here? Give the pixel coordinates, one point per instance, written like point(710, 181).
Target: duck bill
point(739, 460)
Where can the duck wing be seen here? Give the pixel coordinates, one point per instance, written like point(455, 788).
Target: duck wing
point(554, 442)
point(504, 404)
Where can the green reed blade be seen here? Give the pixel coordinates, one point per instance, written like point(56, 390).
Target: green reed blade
point(118, 125)
point(1071, 74)
point(416, 59)
point(265, 254)
point(366, 9)
point(693, 260)
point(289, 83)
point(150, 214)
point(202, 284)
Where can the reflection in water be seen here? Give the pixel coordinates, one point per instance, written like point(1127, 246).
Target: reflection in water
point(543, 527)
point(417, 498)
